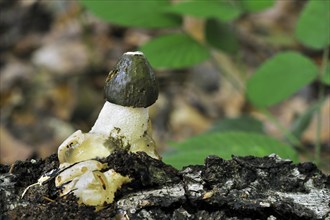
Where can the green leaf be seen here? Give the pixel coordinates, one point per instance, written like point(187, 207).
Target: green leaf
point(301, 123)
point(313, 26)
point(222, 36)
point(326, 76)
point(149, 14)
point(194, 150)
point(174, 51)
point(243, 123)
point(280, 77)
point(221, 10)
point(256, 5)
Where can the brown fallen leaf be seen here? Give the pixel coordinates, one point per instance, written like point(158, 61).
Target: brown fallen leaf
point(12, 149)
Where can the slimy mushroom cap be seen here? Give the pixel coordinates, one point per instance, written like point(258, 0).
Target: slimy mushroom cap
point(132, 82)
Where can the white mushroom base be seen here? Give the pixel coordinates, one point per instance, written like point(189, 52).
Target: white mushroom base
point(116, 127)
point(89, 184)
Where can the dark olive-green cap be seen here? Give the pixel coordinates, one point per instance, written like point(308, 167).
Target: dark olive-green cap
point(132, 82)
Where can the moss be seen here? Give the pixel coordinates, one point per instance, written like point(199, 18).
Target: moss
point(116, 142)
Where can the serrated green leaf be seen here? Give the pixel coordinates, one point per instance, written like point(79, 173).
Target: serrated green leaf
point(243, 123)
point(301, 123)
point(313, 26)
point(326, 76)
point(256, 5)
point(221, 10)
point(222, 36)
point(149, 14)
point(174, 51)
point(280, 77)
point(194, 150)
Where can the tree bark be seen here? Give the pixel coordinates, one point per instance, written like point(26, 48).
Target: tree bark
point(240, 188)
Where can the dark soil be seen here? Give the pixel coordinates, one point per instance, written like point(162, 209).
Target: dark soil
point(241, 188)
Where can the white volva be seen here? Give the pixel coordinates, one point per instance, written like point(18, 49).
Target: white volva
point(93, 187)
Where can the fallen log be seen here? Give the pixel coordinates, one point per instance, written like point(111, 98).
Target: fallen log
point(243, 187)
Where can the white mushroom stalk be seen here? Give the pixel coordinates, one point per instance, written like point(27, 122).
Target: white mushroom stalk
point(118, 120)
point(123, 123)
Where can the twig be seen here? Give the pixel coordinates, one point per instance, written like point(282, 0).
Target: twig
point(318, 114)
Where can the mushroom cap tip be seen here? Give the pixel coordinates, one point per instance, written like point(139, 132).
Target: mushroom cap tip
point(134, 53)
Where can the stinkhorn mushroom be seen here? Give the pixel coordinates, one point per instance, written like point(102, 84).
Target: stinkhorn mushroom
point(131, 87)
point(123, 123)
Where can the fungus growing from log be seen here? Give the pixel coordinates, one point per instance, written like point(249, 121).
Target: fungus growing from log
point(123, 123)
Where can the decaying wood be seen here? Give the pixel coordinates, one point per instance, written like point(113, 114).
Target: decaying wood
point(243, 187)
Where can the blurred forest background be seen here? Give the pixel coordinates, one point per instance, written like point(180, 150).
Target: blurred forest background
point(56, 54)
